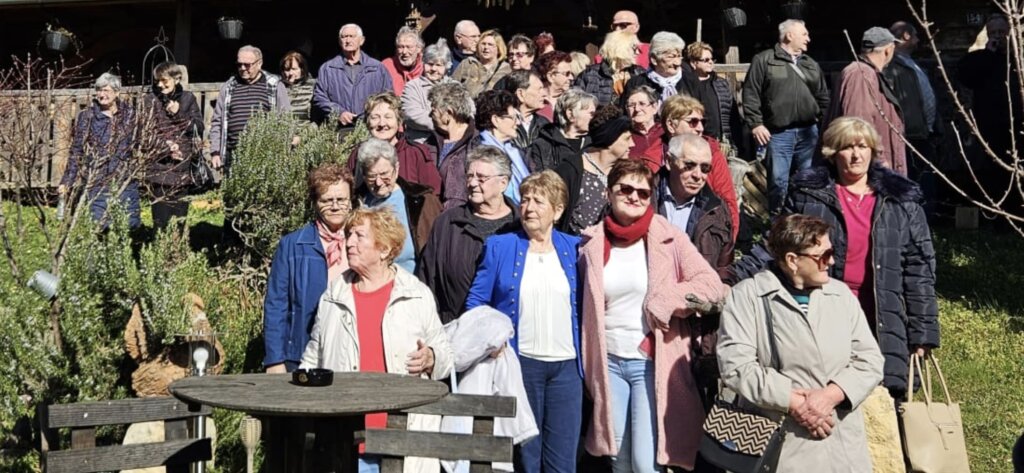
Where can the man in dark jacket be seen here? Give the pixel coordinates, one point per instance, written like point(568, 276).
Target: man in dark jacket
point(917, 100)
point(467, 34)
point(528, 89)
point(345, 82)
point(784, 97)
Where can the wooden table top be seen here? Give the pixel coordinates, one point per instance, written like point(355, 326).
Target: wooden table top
point(351, 393)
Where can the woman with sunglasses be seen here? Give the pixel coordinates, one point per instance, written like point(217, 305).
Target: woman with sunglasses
point(882, 243)
point(714, 91)
point(647, 412)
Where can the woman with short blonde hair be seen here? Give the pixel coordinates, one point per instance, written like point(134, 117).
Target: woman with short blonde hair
point(480, 72)
point(608, 78)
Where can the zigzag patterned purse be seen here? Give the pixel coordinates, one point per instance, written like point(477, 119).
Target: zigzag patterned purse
point(737, 439)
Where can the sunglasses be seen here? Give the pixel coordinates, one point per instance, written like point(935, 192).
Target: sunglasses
point(693, 122)
point(621, 25)
point(707, 60)
point(691, 165)
point(821, 259)
point(626, 190)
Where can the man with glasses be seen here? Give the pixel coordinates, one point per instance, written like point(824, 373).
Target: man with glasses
point(628, 21)
point(467, 34)
point(346, 81)
point(251, 90)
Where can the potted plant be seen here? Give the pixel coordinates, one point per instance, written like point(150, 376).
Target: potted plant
point(57, 38)
point(734, 17)
point(229, 28)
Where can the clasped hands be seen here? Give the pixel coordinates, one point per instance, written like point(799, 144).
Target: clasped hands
point(814, 409)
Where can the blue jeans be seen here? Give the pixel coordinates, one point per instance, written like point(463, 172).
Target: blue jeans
point(369, 464)
point(788, 151)
point(631, 385)
point(555, 392)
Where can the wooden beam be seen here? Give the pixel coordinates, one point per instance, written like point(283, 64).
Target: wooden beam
point(126, 411)
point(469, 405)
point(409, 443)
point(127, 457)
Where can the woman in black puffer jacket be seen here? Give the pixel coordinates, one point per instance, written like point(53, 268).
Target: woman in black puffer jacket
point(882, 243)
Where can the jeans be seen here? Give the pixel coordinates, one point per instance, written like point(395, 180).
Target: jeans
point(369, 464)
point(631, 385)
point(555, 392)
point(788, 151)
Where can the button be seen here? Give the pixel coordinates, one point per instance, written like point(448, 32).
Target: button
point(515, 275)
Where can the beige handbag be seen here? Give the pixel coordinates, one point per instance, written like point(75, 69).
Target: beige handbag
point(933, 434)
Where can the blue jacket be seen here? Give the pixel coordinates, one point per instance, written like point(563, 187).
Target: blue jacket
point(499, 277)
point(336, 92)
point(298, 277)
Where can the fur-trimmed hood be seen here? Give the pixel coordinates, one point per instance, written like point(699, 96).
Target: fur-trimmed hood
point(883, 180)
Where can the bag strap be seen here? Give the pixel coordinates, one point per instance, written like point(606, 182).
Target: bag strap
point(942, 378)
point(926, 388)
point(770, 324)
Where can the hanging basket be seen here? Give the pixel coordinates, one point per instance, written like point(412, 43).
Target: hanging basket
point(734, 17)
point(56, 40)
point(794, 10)
point(230, 29)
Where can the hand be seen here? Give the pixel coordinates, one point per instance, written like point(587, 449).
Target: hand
point(346, 118)
point(920, 350)
point(761, 134)
point(215, 161)
point(818, 408)
point(497, 353)
point(420, 361)
point(177, 156)
point(172, 107)
point(276, 369)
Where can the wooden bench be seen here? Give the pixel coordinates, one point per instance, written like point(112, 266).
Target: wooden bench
point(176, 452)
point(480, 448)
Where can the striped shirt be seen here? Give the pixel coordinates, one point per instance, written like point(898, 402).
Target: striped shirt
point(246, 100)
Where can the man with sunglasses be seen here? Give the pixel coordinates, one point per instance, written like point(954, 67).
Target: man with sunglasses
point(628, 21)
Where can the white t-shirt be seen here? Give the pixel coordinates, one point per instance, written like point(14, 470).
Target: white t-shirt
point(545, 311)
point(625, 286)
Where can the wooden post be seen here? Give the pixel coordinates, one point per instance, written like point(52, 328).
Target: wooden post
point(700, 26)
point(183, 32)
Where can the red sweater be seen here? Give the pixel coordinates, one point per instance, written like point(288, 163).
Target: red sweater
point(370, 307)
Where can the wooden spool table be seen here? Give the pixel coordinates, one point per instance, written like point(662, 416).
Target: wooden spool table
point(290, 412)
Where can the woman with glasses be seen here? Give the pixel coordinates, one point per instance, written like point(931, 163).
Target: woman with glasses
point(437, 60)
point(414, 204)
point(666, 58)
point(714, 91)
point(647, 132)
point(555, 69)
point(305, 263)
point(882, 243)
point(647, 412)
point(498, 122)
point(479, 73)
point(607, 80)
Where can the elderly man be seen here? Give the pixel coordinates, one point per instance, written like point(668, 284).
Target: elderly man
point(627, 20)
point(346, 81)
point(407, 63)
point(784, 97)
point(864, 92)
point(530, 93)
point(250, 91)
point(467, 34)
point(917, 100)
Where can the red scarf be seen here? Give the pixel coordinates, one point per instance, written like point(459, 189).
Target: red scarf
point(335, 243)
point(409, 74)
point(625, 235)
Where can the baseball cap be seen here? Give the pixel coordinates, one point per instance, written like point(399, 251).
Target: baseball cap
point(876, 37)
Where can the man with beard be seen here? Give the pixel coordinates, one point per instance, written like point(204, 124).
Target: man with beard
point(407, 63)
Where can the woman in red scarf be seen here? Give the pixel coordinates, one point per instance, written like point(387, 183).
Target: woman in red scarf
point(305, 263)
point(636, 344)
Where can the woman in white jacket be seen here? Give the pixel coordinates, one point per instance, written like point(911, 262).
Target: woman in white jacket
point(379, 317)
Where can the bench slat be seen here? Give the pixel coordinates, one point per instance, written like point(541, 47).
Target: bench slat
point(469, 405)
point(407, 443)
point(125, 411)
point(126, 457)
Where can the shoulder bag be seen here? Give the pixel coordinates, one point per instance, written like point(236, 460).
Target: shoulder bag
point(199, 170)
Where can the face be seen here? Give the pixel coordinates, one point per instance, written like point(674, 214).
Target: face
point(641, 110)
point(291, 72)
point(668, 63)
point(487, 50)
point(705, 64)
point(629, 199)
point(383, 122)
point(248, 65)
point(381, 178)
point(166, 84)
point(361, 247)
point(620, 148)
point(434, 71)
point(538, 213)
point(334, 204)
point(692, 124)
point(505, 125)
point(467, 38)
point(408, 50)
point(799, 38)
point(533, 96)
point(853, 161)
point(690, 171)
point(581, 119)
point(350, 40)
point(559, 79)
point(483, 184)
point(626, 20)
point(520, 58)
point(106, 97)
point(811, 265)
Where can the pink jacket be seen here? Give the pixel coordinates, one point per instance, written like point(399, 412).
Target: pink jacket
point(675, 269)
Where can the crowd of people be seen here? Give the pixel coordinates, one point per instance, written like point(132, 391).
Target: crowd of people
point(593, 206)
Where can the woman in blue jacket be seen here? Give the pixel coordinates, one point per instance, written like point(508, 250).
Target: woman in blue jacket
point(530, 276)
point(305, 262)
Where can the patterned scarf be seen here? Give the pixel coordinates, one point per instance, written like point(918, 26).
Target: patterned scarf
point(667, 84)
point(335, 243)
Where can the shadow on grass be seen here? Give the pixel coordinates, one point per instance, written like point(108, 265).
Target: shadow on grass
point(982, 269)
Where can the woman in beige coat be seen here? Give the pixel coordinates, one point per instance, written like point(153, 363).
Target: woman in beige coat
point(828, 361)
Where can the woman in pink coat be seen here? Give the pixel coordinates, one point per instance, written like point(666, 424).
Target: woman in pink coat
point(635, 341)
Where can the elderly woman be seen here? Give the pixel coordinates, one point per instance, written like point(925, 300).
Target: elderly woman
point(586, 175)
point(437, 59)
point(530, 276)
point(379, 318)
point(479, 73)
point(714, 92)
point(305, 263)
point(296, 78)
point(498, 122)
point(454, 115)
point(566, 138)
point(881, 240)
point(647, 132)
point(383, 115)
point(101, 148)
point(447, 263)
point(814, 363)
point(521, 52)
point(178, 120)
point(556, 73)
point(666, 73)
point(415, 205)
point(647, 412)
point(684, 115)
point(607, 80)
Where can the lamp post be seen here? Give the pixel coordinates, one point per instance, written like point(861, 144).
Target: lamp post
point(202, 354)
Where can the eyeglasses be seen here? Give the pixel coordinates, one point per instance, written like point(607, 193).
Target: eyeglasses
point(471, 36)
point(635, 105)
point(246, 65)
point(557, 73)
point(626, 190)
point(479, 178)
point(384, 177)
point(509, 117)
point(520, 54)
point(822, 259)
point(693, 122)
point(691, 165)
point(621, 25)
point(340, 202)
point(707, 60)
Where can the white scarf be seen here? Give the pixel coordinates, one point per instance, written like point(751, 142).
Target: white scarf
point(667, 84)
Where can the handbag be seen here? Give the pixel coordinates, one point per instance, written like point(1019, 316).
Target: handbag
point(933, 433)
point(737, 439)
point(200, 172)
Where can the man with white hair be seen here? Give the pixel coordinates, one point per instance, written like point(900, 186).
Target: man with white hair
point(467, 34)
point(864, 92)
point(346, 81)
point(784, 98)
point(407, 63)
